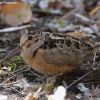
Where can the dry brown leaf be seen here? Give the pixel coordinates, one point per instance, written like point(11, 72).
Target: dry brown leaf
point(30, 97)
point(77, 34)
point(15, 14)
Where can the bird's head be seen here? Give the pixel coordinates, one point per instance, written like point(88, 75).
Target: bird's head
point(27, 39)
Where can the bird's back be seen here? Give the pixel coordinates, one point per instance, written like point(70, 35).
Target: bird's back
point(64, 49)
point(57, 53)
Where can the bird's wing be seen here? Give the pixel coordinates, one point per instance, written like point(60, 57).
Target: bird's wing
point(63, 50)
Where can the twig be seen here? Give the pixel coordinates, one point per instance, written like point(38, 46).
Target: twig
point(16, 90)
point(23, 69)
point(9, 78)
point(33, 73)
point(9, 84)
point(80, 78)
point(84, 20)
point(12, 29)
point(7, 2)
point(11, 54)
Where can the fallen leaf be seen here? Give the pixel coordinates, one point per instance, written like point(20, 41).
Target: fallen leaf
point(59, 94)
point(30, 97)
point(15, 14)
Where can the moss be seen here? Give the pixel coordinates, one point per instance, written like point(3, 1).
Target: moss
point(49, 87)
point(14, 63)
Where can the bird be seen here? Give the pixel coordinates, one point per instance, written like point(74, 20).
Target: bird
point(54, 53)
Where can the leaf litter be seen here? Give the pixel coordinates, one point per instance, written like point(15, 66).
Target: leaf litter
point(77, 18)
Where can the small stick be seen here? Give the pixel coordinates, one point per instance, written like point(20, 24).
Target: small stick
point(80, 78)
point(84, 20)
point(11, 54)
point(17, 28)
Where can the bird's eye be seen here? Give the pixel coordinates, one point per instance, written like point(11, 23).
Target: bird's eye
point(30, 38)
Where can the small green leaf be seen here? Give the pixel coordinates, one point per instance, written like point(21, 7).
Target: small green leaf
point(61, 22)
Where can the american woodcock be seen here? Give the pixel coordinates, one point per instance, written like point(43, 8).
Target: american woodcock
point(53, 53)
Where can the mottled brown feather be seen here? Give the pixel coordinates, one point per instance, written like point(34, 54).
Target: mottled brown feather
point(49, 58)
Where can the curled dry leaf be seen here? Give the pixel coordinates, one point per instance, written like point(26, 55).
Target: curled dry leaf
point(59, 94)
point(15, 14)
point(84, 89)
